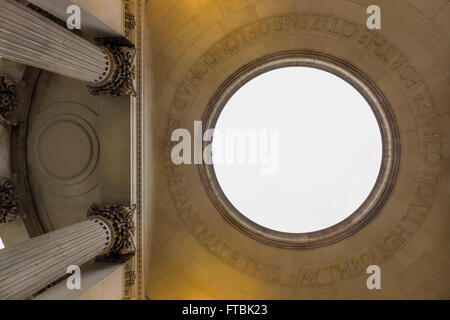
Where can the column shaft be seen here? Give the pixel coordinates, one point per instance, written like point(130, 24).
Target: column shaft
point(30, 38)
point(29, 266)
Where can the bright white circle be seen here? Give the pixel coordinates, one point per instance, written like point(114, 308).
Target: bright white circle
point(329, 152)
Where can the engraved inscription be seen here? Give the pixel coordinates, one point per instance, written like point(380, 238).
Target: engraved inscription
point(422, 107)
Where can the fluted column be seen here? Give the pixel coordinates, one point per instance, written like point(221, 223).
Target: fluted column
point(32, 265)
point(28, 37)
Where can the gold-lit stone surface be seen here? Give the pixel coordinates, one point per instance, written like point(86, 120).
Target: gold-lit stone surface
point(196, 45)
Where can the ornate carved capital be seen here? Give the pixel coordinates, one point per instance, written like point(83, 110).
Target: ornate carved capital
point(8, 100)
point(9, 207)
point(119, 81)
point(120, 219)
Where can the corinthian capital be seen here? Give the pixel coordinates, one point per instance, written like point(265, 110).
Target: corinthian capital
point(120, 220)
point(9, 207)
point(8, 100)
point(121, 73)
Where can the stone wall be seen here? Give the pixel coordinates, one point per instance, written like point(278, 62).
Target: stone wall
point(196, 45)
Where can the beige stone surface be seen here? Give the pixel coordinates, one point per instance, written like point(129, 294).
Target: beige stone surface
point(11, 69)
point(99, 281)
point(13, 232)
point(78, 150)
point(107, 284)
point(99, 18)
point(183, 265)
point(110, 14)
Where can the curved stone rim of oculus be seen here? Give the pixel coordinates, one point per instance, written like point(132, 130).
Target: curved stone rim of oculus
point(391, 150)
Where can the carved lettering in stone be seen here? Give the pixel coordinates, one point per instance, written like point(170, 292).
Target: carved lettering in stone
point(423, 109)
